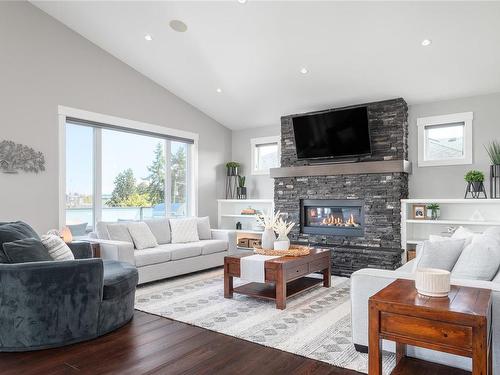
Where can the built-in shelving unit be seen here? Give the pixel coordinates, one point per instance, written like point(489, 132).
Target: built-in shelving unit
point(476, 214)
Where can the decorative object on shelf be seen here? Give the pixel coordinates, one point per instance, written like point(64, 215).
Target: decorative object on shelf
point(477, 216)
point(249, 211)
point(241, 190)
point(475, 185)
point(15, 157)
point(493, 150)
point(433, 211)
point(418, 211)
point(232, 170)
point(268, 221)
point(293, 251)
point(238, 225)
point(282, 228)
point(242, 242)
point(432, 282)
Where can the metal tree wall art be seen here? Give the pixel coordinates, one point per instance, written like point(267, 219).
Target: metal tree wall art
point(16, 157)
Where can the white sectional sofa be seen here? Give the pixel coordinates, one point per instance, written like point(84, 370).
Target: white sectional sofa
point(167, 259)
point(367, 282)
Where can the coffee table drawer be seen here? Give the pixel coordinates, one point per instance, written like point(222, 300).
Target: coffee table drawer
point(426, 330)
point(318, 265)
point(298, 271)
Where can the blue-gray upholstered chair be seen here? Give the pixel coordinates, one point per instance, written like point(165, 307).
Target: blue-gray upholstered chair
point(50, 304)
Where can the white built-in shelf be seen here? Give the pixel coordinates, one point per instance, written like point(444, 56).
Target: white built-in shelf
point(249, 231)
point(414, 241)
point(240, 216)
point(229, 213)
point(452, 201)
point(453, 222)
point(243, 201)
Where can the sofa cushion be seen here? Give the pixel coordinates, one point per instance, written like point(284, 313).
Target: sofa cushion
point(160, 229)
point(213, 246)
point(57, 248)
point(150, 256)
point(480, 260)
point(204, 232)
point(119, 232)
point(26, 250)
point(142, 236)
point(182, 250)
point(101, 229)
point(439, 254)
point(184, 230)
point(14, 231)
point(119, 279)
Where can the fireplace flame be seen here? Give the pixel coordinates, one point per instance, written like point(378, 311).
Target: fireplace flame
point(337, 221)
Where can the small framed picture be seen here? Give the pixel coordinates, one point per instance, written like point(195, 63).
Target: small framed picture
point(419, 211)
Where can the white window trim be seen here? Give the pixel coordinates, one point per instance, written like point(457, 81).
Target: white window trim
point(423, 122)
point(64, 112)
point(259, 141)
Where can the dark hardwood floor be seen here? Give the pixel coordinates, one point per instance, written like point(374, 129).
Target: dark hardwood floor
point(155, 345)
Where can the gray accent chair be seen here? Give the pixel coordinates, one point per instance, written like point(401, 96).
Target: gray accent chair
point(56, 303)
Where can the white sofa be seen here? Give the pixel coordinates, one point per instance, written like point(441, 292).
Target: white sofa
point(167, 259)
point(367, 282)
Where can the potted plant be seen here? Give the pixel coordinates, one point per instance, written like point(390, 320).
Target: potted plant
point(232, 168)
point(282, 228)
point(241, 191)
point(475, 179)
point(433, 211)
point(493, 150)
point(268, 221)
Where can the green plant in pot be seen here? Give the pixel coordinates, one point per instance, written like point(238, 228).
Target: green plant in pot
point(434, 211)
point(493, 150)
point(232, 168)
point(475, 179)
point(241, 191)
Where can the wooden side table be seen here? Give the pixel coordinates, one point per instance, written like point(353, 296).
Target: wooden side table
point(457, 324)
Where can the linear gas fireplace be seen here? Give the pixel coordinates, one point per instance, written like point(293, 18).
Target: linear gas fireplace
point(339, 217)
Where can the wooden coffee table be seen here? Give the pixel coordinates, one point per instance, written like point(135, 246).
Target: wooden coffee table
point(284, 277)
point(457, 324)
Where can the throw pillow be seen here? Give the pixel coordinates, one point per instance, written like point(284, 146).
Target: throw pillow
point(14, 231)
point(204, 231)
point(57, 248)
point(26, 250)
point(480, 260)
point(439, 254)
point(184, 230)
point(119, 232)
point(493, 232)
point(464, 233)
point(142, 236)
point(160, 229)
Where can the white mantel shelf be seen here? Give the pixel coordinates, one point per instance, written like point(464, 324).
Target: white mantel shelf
point(335, 169)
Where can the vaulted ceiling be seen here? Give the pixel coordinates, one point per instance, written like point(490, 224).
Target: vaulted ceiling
point(253, 52)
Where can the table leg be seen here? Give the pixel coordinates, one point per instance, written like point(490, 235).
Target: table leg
point(400, 351)
point(374, 342)
point(280, 290)
point(327, 276)
point(228, 283)
point(479, 351)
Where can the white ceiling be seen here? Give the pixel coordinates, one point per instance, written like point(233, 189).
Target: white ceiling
point(355, 51)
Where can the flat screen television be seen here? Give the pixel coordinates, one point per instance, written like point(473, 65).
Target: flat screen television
point(333, 134)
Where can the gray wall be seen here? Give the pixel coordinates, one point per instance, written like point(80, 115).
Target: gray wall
point(43, 64)
point(261, 187)
point(448, 182)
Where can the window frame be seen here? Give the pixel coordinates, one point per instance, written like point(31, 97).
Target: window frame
point(67, 112)
point(254, 142)
point(423, 122)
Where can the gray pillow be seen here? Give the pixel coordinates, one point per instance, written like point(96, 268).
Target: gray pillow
point(480, 260)
point(440, 254)
point(26, 250)
point(142, 236)
point(204, 232)
point(57, 248)
point(160, 229)
point(119, 232)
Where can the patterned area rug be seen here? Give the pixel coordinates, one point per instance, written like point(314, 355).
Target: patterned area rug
point(315, 324)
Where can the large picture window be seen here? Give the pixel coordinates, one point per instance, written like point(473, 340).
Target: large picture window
point(114, 174)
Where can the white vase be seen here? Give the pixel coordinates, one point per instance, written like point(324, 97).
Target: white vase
point(432, 282)
point(268, 239)
point(282, 245)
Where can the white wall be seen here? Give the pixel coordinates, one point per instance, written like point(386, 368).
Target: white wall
point(448, 181)
point(257, 186)
point(44, 64)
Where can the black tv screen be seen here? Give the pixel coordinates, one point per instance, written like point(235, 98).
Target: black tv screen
point(333, 134)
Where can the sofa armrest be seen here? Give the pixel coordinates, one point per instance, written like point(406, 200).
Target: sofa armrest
point(226, 235)
point(117, 250)
point(81, 250)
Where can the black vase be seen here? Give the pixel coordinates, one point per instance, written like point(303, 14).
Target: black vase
point(495, 181)
point(241, 193)
point(476, 186)
point(232, 171)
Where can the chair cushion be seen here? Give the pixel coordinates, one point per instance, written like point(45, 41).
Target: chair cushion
point(26, 250)
point(142, 236)
point(183, 250)
point(160, 229)
point(14, 231)
point(150, 256)
point(204, 232)
point(184, 230)
point(213, 246)
point(119, 278)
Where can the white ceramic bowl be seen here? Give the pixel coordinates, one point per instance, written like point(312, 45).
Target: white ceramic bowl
point(432, 282)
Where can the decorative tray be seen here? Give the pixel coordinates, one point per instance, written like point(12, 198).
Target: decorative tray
point(293, 251)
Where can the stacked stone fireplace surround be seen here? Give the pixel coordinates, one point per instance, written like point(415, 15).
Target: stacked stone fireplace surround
point(380, 246)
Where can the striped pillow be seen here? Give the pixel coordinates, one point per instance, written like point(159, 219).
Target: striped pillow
point(56, 247)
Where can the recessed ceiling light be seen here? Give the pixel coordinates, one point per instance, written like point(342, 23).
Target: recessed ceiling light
point(242, 1)
point(426, 42)
point(304, 70)
point(148, 37)
point(219, 90)
point(178, 26)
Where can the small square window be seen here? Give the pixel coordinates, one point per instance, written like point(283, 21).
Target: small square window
point(265, 154)
point(445, 140)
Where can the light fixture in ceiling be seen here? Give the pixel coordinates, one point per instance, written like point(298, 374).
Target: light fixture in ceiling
point(242, 1)
point(426, 42)
point(218, 89)
point(148, 37)
point(178, 26)
point(304, 70)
